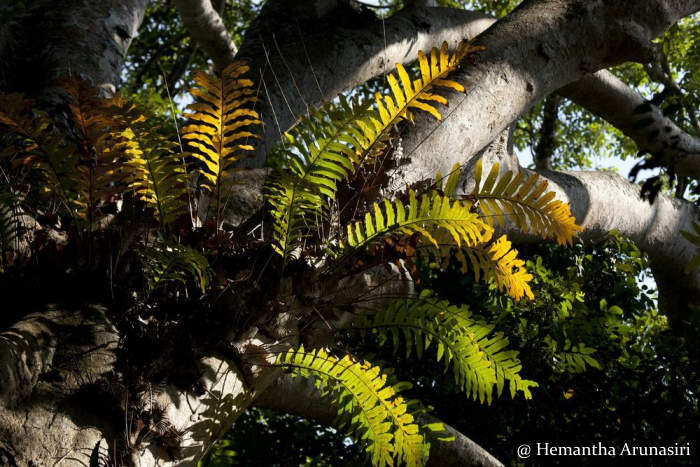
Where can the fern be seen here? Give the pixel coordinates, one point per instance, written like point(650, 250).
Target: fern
point(431, 214)
point(330, 144)
point(35, 144)
point(10, 226)
point(500, 261)
point(477, 356)
point(155, 173)
point(94, 122)
point(695, 240)
point(376, 414)
point(525, 202)
point(222, 119)
point(173, 263)
point(320, 153)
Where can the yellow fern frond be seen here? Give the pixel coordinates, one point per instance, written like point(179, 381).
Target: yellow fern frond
point(408, 95)
point(526, 202)
point(375, 413)
point(221, 125)
point(430, 215)
point(500, 261)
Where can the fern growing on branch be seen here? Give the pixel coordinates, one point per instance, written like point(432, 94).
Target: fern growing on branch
point(478, 357)
point(432, 213)
point(328, 147)
point(222, 121)
point(372, 410)
point(524, 201)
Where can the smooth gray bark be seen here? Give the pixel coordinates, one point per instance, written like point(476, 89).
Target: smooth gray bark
point(72, 37)
point(608, 97)
point(207, 28)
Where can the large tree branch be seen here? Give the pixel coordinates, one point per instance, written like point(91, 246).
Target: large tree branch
point(75, 37)
point(608, 97)
point(293, 395)
point(206, 27)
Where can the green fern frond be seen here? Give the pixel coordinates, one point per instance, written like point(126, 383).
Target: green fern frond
point(478, 357)
point(173, 263)
point(320, 152)
point(695, 240)
point(430, 215)
point(376, 414)
point(155, 172)
point(524, 201)
point(222, 125)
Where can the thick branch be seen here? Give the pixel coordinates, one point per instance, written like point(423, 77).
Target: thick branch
point(548, 133)
point(608, 97)
point(206, 27)
point(69, 37)
point(293, 395)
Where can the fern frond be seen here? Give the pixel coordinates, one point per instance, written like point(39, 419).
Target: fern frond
point(222, 124)
point(478, 357)
point(320, 152)
point(500, 261)
point(173, 263)
point(430, 215)
point(695, 240)
point(94, 121)
point(155, 172)
point(376, 414)
point(524, 201)
point(408, 95)
point(35, 144)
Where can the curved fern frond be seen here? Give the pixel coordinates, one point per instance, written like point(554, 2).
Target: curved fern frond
point(174, 263)
point(430, 215)
point(222, 119)
point(524, 201)
point(374, 411)
point(695, 240)
point(478, 357)
point(156, 174)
